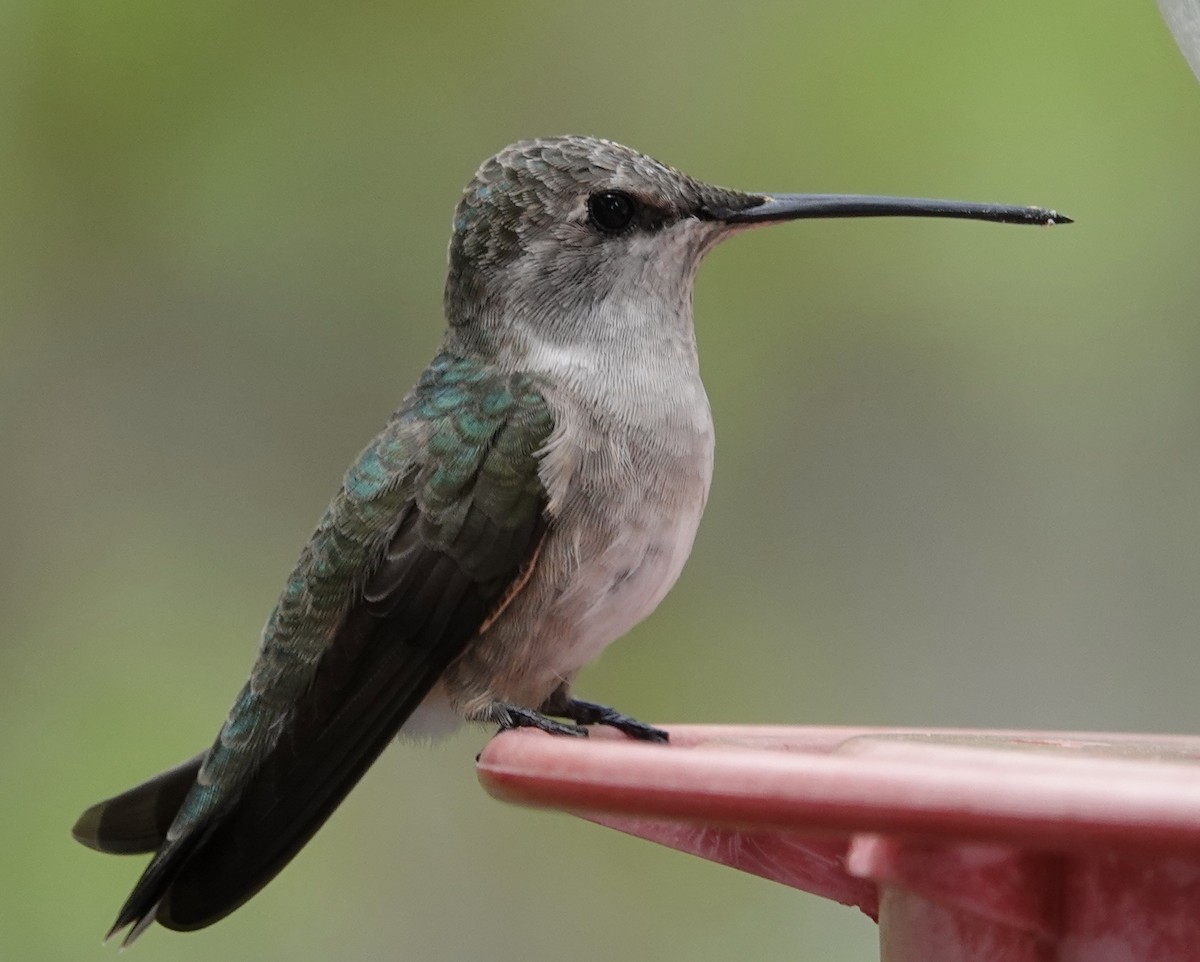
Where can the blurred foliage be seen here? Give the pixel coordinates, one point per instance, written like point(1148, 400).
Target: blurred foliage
point(958, 475)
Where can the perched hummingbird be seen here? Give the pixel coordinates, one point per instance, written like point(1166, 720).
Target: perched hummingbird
point(533, 498)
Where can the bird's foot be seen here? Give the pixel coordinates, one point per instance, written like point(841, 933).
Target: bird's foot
point(513, 716)
point(589, 713)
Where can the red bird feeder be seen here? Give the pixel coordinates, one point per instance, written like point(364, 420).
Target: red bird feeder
point(971, 846)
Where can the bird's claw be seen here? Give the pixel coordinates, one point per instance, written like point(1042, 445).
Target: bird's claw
point(590, 713)
point(514, 716)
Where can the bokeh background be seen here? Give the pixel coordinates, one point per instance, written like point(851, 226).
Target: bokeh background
point(958, 474)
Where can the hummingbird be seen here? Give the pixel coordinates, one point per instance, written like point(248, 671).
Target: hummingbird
point(534, 496)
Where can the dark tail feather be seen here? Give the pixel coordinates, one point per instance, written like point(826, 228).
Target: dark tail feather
point(136, 821)
point(141, 907)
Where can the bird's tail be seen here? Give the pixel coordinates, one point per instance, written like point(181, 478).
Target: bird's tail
point(136, 821)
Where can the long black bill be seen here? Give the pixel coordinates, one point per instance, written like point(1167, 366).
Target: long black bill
point(777, 207)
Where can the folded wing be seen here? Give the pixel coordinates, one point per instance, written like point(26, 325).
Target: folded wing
point(437, 519)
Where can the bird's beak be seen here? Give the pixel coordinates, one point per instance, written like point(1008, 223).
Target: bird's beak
point(779, 207)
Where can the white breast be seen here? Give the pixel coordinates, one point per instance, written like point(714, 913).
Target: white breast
point(620, 585)
point(628, 471)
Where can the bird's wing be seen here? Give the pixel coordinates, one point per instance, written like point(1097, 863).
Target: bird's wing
point(436, 520)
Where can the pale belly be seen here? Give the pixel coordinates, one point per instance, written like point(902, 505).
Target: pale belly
point(556, 628)
point(621, 585)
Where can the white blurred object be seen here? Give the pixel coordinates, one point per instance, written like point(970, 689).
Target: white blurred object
point(1183, 17)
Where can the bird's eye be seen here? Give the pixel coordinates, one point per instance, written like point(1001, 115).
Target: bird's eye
point(611, 210)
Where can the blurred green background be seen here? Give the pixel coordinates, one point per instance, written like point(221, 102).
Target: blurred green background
point(958, 468)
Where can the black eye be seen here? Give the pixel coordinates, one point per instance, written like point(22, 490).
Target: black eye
point(612, 210)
